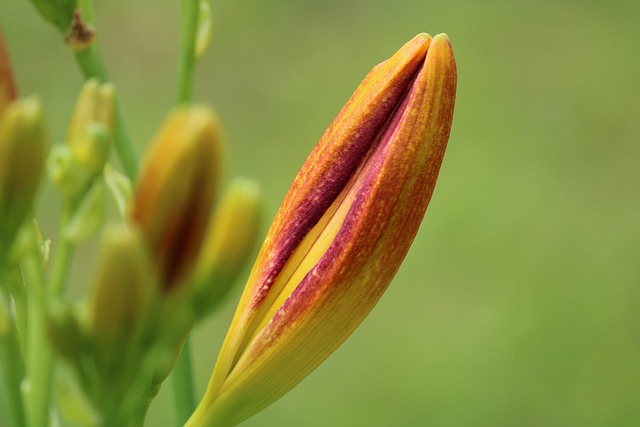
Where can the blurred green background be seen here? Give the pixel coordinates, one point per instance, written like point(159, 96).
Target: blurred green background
point(518, 303)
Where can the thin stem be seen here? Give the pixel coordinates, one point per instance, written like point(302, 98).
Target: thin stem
point(90, 63)
point(181, 379)
point(187, 60)
point(62, 256)
point(39, 354)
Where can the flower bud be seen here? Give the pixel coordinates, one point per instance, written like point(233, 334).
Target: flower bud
point(96, 104)
point(229, 240)
point(91, 148)
point(22, 156)
point(341, 233)
point(121, 299)
point(173, 199)
point(66, 174)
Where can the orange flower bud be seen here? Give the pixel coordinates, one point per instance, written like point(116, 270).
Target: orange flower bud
point(173, 198)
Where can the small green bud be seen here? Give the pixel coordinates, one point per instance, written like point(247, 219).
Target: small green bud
point(121, 298)
point(91, 149)
point(96, 104)
point(66, 174)
point(230, 238)
point(22, 155)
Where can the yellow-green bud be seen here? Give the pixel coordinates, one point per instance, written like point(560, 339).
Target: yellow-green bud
point(230, 238)
point(96, 104)
point(22, 156)
point(121, 298)
point(66, 174)
point(91, 149)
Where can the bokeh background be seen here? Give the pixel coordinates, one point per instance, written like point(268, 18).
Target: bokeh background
point(518, 304)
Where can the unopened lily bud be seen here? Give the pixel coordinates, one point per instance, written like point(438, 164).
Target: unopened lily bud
point(8, 90)
point(96, 104)
point(173, 199)
point(341, 233)
point(22, 156)
point(122, 297)
point(230, 238)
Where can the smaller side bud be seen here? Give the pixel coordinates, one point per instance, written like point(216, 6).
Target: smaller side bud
point(173, 198)
point(23, 150)
point(91, 150)
point(96, 104)
point(121, 299)
point(230, 238)
point(69, 178)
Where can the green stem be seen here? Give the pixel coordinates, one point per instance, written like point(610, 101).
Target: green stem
point(187, 60)
point(12, 280)
point(182, 392)
point(90, 63)
point(62, 257)
point(11, 367)
point(39, 354)
point(181, 379)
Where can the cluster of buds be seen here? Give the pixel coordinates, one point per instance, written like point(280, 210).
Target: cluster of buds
point(336, 242)
point(161, 270)
point(341, 233)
